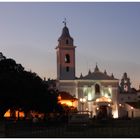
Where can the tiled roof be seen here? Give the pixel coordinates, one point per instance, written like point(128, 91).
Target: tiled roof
point(134, 104)
point(97, 75)
point(66, 96)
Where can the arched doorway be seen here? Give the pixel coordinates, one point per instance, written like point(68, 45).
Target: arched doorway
point(103, 108)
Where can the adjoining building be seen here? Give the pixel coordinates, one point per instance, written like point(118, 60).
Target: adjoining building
point(67, 99)
point(129, 104)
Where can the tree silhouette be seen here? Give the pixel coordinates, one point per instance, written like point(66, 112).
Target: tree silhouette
point(23, 89)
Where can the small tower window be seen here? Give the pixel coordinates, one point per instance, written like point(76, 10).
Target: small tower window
point(67, 69)
point(67, 41)
point(97, 89)
point(67, 58)
point(125, 88)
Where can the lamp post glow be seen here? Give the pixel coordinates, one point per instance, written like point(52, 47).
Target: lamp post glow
point(82, 100)
point(132, 109)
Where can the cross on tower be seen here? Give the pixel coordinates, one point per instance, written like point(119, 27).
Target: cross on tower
point(65, 22)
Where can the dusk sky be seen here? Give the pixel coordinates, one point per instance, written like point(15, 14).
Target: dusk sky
point(106, 33)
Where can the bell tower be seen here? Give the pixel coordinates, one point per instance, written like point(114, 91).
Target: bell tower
point(125, 84)
point(65, 52)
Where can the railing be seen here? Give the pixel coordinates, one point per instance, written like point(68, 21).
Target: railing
point(95, 129)
point(90, 113)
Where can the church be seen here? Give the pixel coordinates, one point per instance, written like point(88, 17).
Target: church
point(97, 91)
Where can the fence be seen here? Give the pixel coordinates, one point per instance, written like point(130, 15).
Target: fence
point(96, 129)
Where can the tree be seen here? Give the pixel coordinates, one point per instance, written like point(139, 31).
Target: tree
point(23, 89)
point(2, 56)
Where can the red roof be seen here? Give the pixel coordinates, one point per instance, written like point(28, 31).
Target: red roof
point(66, 96)
point(134, 104)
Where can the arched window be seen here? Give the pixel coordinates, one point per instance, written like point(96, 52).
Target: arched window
point(67, 41)
point(67, 69)
point(97, 89)
point(125, 88)
point(67, 58)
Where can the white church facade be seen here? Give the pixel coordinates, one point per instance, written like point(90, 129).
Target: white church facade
point(97, 91)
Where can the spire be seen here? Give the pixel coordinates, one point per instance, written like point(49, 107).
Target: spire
point(125, 75)
point(105, 72)
point(44, 78)
point(112, 75)
point(81, 76)
point(2, 56)
point(65, 31)
point(89, 72)
point(96, 68)
point(65, 22)
point(125, 83)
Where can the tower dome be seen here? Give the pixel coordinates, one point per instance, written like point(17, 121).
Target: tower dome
point(65, 34)
point(65, 39)
point(96, 68)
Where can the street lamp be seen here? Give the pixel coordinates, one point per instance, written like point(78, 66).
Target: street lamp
point(82, 100)
point(132, 109)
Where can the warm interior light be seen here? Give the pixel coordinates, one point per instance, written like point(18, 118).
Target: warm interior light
point(21, 114)
point(59, 97)
point(132, 107)
point(86, 109)
point(68, 103)
point(84, 100)
point(109, 100)
point(106, 95)
point(97, 100)
point(7, 114)
point(115, 114)
point(17, 113)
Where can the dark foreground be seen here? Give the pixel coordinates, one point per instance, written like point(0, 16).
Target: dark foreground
point(95, 129)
